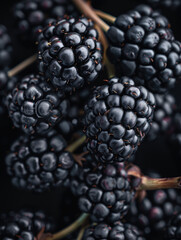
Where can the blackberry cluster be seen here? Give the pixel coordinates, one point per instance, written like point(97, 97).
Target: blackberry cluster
point(153, 212)
point(164, 3)
point(31, 15)
point(39, 164)
point(173, 229)
point(34, 106)
point(142, 45)
point(24, 224)
point(122, 231)
point(117, 118)
point(5, 48)
point(165, 108)
point(69, 54)
point(104, 192)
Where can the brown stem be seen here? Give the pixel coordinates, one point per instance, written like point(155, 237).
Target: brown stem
point(22, 66)
point(81, 233)
point(105, 16)
point(68, 230)
point(86, 9)
point(103, 40)
point(147, 183)
point(71, 148)
point(79, 158)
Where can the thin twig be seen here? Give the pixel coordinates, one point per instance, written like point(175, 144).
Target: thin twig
point(105, 16)
point(71, 148)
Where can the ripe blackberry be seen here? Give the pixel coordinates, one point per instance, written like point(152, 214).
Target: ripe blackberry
point(5, 48)
point(69, 53)
point(24, 224)
point(142, 45)
point(32, 14)
point(117, 118)
point(34, 106)
point(173, 229)
point(153, 212)
point(39, 163)
point(164, 3)
point(165, 108)
point(118, 230)
point(104, 192)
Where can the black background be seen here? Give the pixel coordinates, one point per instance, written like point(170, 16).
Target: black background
point(156, 155)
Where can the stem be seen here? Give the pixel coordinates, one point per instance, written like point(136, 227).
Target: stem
point(68, 230)
point(105, 16)
point(103, 40)
point(22, 66)
point(71, 148)
point(147, 183)
point(86, 9)
point(81, 233)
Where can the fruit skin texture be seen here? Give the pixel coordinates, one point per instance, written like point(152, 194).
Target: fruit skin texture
point(39, 164)
point(24, 224)
point(162, 120)
point(5, 48)
point(69, 54)
point(143, 45)
point(173, 228)
point(34, 106)
point(122, 231)
point(104, 192)
point(152, 213)
point(117, 118)
point(30, 15)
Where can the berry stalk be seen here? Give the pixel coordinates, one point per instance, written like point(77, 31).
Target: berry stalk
point(72, 147)
point(86, 9)
point(81, 233)
point(105, 16)
point(22, 66)
point(68, 230)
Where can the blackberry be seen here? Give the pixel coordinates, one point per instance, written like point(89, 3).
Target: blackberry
point(31, 15)
point(24, 224)
point(104, 192)
point(165, 108)
point(117, 118)
point(122, 231)
point(153, 212)
point(39, 163)
point(165, 3)
point(69, 53)
point(5, 48)
point(143, 45)
point(173, 228)
point(34, 106)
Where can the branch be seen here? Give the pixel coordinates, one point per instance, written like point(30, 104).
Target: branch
point(71, 148)
point(105, 16)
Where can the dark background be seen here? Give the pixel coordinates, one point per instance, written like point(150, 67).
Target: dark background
point(156, 155)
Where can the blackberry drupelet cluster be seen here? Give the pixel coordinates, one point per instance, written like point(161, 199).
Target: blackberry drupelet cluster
point(118, 230)
point(117, 118)
point(164, 111)
point(24, 224)
point(69, 54)
point(164, 3)
point(173, 229)
point(34, 105)
point(31, 15)
point(5, 48)
point(39, 164)
point(104, 192)
point(152, 213)
point(142, 45)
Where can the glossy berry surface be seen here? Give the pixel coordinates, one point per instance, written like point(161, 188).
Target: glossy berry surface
point(117, 231)
point(173, 229)
point(39, 164)
point(117, 118)
point(143, 45)
point(104, 192)
point(69, 54)
point(34, 106)
point(24, 224)
point(162, 119)
point(30, 15)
